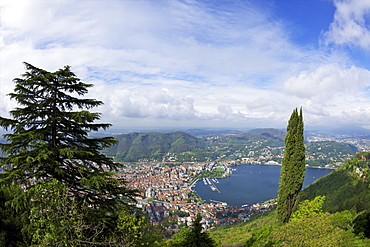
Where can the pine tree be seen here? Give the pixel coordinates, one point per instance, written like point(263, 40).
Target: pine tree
point(49, 139)
point(293, 167)
point(196, 238)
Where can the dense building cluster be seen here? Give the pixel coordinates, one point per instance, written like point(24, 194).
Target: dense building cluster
point(167, 194)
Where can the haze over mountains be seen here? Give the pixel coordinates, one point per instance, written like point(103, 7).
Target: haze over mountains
point(254, 146)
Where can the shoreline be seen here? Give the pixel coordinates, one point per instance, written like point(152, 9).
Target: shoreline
point(278, 164)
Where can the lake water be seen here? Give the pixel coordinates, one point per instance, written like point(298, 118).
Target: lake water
point(250, 184)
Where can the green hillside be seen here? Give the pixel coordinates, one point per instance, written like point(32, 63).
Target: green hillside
point(324, 152)
point(340, 218)
point(153, 146)
point(258, 137)
point(260, 145)
point(346, 188)
point(181, 146)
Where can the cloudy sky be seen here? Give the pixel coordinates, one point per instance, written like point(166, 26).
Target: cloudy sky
point(199, 63)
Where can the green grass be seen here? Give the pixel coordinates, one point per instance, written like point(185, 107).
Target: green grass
point(238, 234)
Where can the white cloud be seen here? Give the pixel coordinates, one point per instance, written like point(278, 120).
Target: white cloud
point(144, 102)
point(180, 62)
point(327, 81)
point(332, 95)
point(351, 25)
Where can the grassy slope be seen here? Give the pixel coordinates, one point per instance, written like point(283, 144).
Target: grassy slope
point(238, 234)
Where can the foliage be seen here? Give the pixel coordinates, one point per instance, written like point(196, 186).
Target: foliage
point(210, 174)
point(239, 234)
point(195, 237)
point(343, 188)
point(322, 153)
point(71, 193)
point(50, 138)
point(361, 224)
point(12, 219)
point(315, 229)
point(261, 236)
point(319, 229)
point(183, 147)
point(293, 168)
point(308, 208)
point(133, 229)
point(179, 237)
point(135, 146)
point(342, 192)
point(56, 218)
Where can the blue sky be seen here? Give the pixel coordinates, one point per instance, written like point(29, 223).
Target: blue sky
point(241, 64)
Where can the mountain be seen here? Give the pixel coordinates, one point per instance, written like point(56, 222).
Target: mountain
point(134, 146)
point(181, 146)
point(258, 145)
point(269, 137)
point(212, 132)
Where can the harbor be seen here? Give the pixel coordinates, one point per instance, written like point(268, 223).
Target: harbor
point(211, 182)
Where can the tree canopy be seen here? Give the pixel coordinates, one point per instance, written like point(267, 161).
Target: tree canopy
point(293, 167)
point(195, 237)
point(48, 144)
point(50, 136)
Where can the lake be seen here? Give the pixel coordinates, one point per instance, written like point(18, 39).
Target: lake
point(250, 184)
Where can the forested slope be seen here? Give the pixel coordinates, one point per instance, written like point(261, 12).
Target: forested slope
point(346, 188)
point(135, 146)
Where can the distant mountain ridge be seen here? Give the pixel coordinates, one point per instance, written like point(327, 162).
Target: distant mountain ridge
point(272, 137)
point(261, 145)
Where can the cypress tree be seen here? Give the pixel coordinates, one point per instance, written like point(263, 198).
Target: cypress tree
point(293, 167)
point(49, 139)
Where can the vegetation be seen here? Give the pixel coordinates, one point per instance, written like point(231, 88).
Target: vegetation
point(12, 220)
point(321, 229)
point(261, 145)
point(310, 228)
point(361, 224)
point(328, 152)
point(255, 231)
point(327, 215)
point(50, 138)
point(192, 237)
point(153, 146)
point(69, 193)
point(293, 168)
point(346, 188)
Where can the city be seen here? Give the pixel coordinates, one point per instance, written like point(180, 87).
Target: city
point(167, 194)
point(166, 186)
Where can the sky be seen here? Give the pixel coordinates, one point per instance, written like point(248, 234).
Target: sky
point(193, 64)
